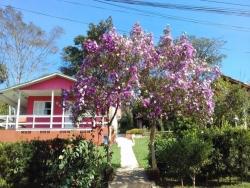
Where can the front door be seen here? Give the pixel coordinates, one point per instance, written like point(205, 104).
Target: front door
point(68, 124)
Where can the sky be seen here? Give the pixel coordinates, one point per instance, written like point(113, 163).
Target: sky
point(83, 12)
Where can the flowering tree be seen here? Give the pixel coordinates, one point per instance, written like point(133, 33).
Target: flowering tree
point(178, 83)
point(164, 78)
point(109, 75)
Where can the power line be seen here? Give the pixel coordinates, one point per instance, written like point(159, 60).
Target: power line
point(150, 14)
point(217, 10)
point(226, 3)
point(63, 18)
point(56, 17)
point(94, 6)
point(237, 28)
point(129, 8)
point(207, 23)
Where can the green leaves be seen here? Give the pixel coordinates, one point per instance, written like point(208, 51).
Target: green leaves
point(74, 55)
point(232, 104)
point(80, 165)
point(54, 163)
point(182, 156)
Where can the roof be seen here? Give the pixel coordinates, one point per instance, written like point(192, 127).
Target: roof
point(42, 78)
point(233, 81)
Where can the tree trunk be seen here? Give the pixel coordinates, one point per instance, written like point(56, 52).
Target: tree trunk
point(109, 124)
point(193, 180)
point(108, 146)
point(182, 184)
point(152, 146)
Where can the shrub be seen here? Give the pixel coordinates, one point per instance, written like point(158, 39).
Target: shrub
point(135, 131)
point(3, 183)
point(14, 159)
point(44, 158)
point(126, 122)
point(231, 154)
point(80, 165)
point(52, 163)
point(179, 157)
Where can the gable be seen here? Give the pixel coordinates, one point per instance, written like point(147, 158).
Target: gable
point(53, 83)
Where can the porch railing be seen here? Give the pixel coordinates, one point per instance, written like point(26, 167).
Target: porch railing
point(38, 122)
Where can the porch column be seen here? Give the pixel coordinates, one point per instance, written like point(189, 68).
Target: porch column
point(63, 114)
point(9, 108)
point(18, 109)
point(52, 109)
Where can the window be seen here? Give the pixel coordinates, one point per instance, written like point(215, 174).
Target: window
point(42, 108)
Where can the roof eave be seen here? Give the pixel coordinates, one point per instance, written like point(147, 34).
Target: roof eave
point(36, 81)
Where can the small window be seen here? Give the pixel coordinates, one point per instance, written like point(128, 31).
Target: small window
point(42, 108)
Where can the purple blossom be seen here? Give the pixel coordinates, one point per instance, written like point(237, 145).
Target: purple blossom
point(91, 46)
point(165, 78)
point(146, 102)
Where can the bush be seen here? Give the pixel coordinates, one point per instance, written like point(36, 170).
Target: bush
point(231, 154)
point(135, 131)
point(80, 165)
point(210, 154)
point(52, 163)
point(181, 157)
point(126, 122)
point(14, 159)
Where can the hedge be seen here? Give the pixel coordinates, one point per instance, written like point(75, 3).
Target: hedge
point(213, 153)
point(53, 163)
point(135, 131)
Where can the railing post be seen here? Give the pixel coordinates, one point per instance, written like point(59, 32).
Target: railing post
point(18, 108)
point(102, 120)
point(52, 109)
point(94, 123)
point(33, 121)
point(7, 122)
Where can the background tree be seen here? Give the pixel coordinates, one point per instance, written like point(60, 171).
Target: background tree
point(73, 55)
point(207, 49)
point(24, 46)
point(3, 73)
point(3, 77)
point(232, 104)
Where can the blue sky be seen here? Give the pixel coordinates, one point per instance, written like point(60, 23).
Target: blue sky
point(237, 49)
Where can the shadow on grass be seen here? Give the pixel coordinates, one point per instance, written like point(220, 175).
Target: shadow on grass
point(225, 182)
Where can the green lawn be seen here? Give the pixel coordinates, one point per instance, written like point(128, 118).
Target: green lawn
point(243, 185)
point(141, 151)
point(116, 156)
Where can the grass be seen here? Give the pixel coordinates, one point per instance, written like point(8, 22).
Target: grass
point(240, 185)
point(225, 184)
point(141, 151)
point(116, 156)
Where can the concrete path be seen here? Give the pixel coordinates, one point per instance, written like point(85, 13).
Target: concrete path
point(128, 159)
point(129, 175)
point(135, 178)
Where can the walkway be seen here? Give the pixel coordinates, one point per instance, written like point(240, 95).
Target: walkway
point(129, 175)
point(128, 160)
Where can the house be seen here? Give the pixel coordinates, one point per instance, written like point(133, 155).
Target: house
point(237, 82)
point(36, 112)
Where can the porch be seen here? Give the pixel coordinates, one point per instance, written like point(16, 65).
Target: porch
point(37, 105)
point(48, 122)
